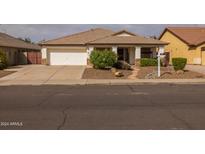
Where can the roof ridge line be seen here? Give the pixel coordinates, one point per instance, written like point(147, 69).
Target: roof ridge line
point(18, 39)
point(10, 36)
point(135, 36)
point(74, 34)
point(115, 33)
point(98, 39)
point(68, 35)
point(17, 43)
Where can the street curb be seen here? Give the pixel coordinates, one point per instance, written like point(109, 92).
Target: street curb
point(107, 82)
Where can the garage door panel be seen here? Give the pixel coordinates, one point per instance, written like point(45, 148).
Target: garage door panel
point(34, 57)
point(68, 58)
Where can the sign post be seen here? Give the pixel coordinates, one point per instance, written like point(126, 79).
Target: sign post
point(158, 67)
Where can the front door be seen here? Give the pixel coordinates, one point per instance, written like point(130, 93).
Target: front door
point(123, 54)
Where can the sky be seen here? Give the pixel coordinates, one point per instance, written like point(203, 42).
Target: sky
point(39, 32)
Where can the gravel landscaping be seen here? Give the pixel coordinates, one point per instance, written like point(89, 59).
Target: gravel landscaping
point(167, 73)
point(143, 73)
point(91, 73)
point(5, 73)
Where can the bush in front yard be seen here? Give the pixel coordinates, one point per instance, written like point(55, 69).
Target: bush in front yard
point(148, 62)
point(179, 63)
point(3, 60)
point(121, 64)
point(103, 59)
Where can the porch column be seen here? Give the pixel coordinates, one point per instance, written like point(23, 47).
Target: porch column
point(114, 49)
point(89, 51)
point(137, 54)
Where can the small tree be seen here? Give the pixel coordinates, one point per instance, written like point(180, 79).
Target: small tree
point(179, 63)
point(3, 60)
point(103, 59)
point(26, 39)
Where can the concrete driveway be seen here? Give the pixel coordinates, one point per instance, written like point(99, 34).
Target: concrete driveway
point(38, 74)
point(196, 68)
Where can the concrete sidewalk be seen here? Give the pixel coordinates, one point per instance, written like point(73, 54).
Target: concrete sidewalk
point(101, 81)
point(196, 68)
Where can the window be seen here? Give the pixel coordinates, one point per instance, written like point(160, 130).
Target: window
point(192, 48)
point(202, 48)
point(146, 53)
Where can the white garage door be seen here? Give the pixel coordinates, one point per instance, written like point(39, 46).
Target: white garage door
point(68, 58)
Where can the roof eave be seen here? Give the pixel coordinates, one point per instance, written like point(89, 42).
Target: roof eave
point(128, 43)
point(5, 46)
point(62, 44)
point(200, 43)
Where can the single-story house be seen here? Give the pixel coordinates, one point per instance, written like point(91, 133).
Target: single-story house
point(187, 42)
point(18, 51)
point(75, 49)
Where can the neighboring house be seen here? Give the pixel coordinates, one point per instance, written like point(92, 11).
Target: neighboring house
point(187, 42)
point(18, 51)
point(75, 49)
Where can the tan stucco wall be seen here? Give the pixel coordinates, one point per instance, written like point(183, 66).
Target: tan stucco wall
point(178, 48)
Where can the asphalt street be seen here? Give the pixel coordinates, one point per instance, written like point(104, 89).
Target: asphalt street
point(103, 107)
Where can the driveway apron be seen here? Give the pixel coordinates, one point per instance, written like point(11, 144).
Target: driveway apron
point(196, 68)
point(38, 74)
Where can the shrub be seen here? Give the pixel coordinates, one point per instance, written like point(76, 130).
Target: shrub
point(179, 63)
point(3, 60)
point(103, 59)
point(1, 66)
point(148, 62)
point(122, 65)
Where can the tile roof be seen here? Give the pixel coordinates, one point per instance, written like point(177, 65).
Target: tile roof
point(80, 38)
point(190, 35)
point(102, 36)
point(10, 41)
point(131, 39)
